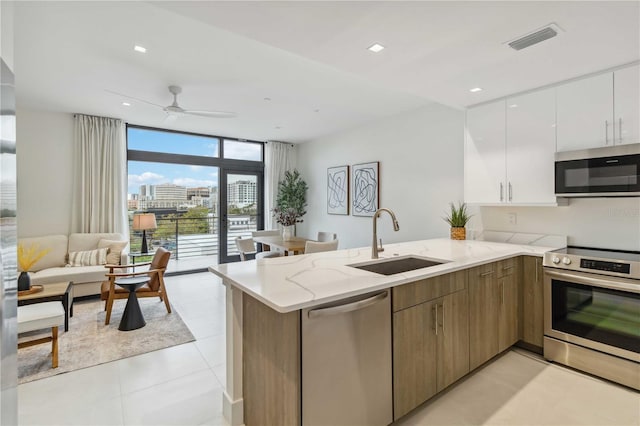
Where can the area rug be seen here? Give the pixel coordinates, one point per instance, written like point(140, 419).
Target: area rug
point(89, 342)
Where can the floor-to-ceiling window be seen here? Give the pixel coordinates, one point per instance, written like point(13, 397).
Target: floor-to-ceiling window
point(204, 191)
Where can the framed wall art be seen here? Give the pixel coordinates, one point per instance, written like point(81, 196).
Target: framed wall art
point(365, 188)
point(338, 190)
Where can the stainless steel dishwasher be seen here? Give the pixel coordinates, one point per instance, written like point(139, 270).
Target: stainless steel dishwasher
point(346, 362)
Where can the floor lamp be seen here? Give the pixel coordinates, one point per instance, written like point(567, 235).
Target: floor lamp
point(143, 222)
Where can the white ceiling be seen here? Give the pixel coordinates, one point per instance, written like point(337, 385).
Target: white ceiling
point(304, 56)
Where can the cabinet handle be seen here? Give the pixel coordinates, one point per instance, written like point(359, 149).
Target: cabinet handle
point(442, 306)
point(620, 129)
point(536, 268)
point(501, 192)
point(606, 132)
point(502, 298)
point(510, 192)
point(506, 268)
point(486, 274)
point(435, 319)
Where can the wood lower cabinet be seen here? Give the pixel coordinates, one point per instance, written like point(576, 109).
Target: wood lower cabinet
point(509, 301)
point(430, 346)
point(453, 339)
point(532, 317)
point(483, 314)
point(493, 309)
point(271, 365)
point(414, 357)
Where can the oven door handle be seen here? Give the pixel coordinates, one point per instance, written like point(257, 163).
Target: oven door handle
point(612, 283)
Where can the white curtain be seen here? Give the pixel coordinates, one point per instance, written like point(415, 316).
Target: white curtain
point(100, 161)
point(278, 158)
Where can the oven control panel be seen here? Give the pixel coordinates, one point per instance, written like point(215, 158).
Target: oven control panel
point(601, 265)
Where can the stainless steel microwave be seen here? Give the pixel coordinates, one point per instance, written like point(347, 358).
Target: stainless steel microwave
point(612, 171)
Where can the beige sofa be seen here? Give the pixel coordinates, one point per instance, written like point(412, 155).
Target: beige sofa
point(52, 268)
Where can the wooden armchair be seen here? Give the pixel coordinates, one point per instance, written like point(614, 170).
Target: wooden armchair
point(154, 287)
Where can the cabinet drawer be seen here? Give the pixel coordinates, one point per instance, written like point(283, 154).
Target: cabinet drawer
point(505, 267)
point(422, 291)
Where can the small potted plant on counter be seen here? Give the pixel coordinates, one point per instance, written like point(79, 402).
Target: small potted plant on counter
point(290, 203)
point(458, 218)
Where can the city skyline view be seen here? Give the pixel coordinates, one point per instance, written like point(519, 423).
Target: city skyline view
point(190, 176)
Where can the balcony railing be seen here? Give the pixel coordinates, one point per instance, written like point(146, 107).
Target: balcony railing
point(193, 237)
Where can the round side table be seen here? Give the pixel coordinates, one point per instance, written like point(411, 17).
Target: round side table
point(132, 318)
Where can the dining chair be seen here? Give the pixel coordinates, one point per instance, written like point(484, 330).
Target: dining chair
point(155, 287)
point(317, 246)
point(246, 247)
point(327, 236)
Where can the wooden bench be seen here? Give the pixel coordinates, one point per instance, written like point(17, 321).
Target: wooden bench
point(40, 316)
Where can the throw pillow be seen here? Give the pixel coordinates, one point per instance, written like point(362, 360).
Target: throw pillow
point(115, 250)
point(89, 257)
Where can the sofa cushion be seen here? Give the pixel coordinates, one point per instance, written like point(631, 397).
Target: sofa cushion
point(77, 274)
point(57, 246)
point(88, 257)
point(89, 241)
point(115, 250)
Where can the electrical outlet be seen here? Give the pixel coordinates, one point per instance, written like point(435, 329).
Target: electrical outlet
point(513, 218)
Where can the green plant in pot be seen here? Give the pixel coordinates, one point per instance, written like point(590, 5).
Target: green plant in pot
point(458, 218)
point(290, 202)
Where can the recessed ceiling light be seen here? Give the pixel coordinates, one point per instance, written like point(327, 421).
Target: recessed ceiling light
point(375, 48)
point(140, 49)
point(513, 106)
point(278, 127)
point(476, 89)
point(316, 110)
point(267, 99)
point(126, 104)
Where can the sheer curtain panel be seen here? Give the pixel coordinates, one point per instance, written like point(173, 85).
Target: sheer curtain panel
point(278, 158)
point(100, 161)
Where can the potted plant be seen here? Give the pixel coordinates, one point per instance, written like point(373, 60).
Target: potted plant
point(458, 218)
point(290, 202)
point(27, 258)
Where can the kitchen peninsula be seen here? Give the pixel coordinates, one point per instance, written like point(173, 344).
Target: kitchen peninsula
point(265, 299)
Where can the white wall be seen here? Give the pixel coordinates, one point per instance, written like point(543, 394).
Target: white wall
point(45, 174)
point(421, 170)
point(592, 222)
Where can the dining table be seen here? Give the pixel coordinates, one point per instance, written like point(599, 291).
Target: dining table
point(294, 245)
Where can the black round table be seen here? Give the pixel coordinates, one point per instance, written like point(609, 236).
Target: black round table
point(132, 318)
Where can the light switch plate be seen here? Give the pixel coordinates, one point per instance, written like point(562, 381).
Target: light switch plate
point(513, 218)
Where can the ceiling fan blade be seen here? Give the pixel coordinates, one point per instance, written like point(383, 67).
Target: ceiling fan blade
point(134, 98)
point(212, 114)
point(170, 118)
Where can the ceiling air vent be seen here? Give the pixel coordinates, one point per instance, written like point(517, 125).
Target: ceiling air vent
point(535, 37)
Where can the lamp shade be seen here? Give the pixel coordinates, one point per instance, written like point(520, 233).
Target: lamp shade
point(144, 221)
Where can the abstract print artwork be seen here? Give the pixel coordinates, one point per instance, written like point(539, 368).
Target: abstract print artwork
point(338, 190)
point(365, 187)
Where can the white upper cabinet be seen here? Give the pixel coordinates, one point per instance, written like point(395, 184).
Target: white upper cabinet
point(531, 146)
point(585, 113)
point(626, 83)
point(484, 154)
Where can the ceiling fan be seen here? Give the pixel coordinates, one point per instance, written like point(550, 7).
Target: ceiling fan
point(174, 109)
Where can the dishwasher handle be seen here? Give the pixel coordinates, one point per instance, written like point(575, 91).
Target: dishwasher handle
point(348, 307)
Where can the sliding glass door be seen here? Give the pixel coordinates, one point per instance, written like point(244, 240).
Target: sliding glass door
point(241, 209)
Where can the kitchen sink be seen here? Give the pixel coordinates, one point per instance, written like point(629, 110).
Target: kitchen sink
point(397, 265)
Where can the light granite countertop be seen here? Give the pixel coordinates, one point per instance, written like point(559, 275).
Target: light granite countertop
point(290, 283)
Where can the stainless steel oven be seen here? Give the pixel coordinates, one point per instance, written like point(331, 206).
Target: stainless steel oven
point(600, 172)
point(592, 312)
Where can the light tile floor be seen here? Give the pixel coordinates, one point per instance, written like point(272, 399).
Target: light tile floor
point(182, 385)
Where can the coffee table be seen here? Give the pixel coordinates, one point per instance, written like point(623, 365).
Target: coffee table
point(132, 318)
point(51, 293)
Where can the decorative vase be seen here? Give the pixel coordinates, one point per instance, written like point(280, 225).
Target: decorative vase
point(458, 233)
point(288, 232)
point(24, 281)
